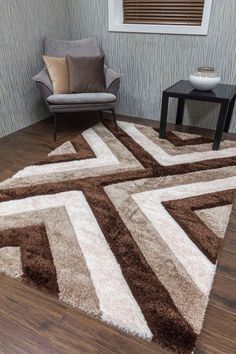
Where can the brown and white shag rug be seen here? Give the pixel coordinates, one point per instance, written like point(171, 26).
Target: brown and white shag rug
point(124, 226)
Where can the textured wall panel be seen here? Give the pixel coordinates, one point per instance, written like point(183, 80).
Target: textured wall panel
point(23, 24)
point(148, 62)
point(151, 62)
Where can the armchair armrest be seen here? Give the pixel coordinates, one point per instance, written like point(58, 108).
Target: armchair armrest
point(112, 81)
point(44, 84)
point(44, 79)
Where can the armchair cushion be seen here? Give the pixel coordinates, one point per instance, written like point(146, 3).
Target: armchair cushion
point(86, 74)
point(81, 98)
point(58, 72)
point(83, 47)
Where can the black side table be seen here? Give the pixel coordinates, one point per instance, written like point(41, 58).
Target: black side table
point(223, 94)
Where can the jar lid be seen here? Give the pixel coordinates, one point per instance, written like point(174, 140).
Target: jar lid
point(208, 69)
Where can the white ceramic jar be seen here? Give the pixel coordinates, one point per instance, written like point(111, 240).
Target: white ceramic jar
point(205, 79)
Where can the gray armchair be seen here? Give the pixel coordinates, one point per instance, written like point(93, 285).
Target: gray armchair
point(61, 103)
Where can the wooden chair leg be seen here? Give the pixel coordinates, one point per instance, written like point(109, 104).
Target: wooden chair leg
point(114, 118)
point(101, 116)
point(55, 126)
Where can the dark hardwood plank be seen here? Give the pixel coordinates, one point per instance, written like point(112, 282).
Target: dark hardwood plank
point(34, 322)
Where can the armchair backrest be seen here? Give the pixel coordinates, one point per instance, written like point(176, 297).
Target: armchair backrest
point(61, 48)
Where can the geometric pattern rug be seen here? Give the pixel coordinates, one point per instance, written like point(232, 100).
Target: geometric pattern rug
point(125, 226)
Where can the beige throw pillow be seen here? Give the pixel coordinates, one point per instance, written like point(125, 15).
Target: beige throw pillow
point(58, 72)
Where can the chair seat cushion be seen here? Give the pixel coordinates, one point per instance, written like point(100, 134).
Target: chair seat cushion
point(80, 98)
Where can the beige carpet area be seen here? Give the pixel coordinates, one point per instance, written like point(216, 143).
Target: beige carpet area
point(124, 226)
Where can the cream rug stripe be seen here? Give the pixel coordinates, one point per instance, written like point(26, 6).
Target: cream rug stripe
point(173, 150)
point(28, 181)
point(66, 148)
point(216, 218)
point(187, 297)
point(101, 150)
point(115, 297)
point(165, 159)
point(194, 261)
point(73, 277)
point(186, 136)
point(10, 261)
point(125, 157)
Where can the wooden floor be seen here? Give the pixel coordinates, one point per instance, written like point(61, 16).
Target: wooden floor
point(33, 322)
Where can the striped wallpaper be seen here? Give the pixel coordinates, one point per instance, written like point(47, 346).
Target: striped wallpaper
point(149, 63)
point(23, 24)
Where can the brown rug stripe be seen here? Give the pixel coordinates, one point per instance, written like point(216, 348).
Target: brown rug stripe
point(80, 184)
point(163, 318)
point(37, 262)
point(177, 141)
point(158, 170)
point(183, 212)
point(82, 148)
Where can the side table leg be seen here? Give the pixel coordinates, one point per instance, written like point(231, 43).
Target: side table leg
point(229, 115)
point(220, 125)
point(180, 111)
point(164, 111)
